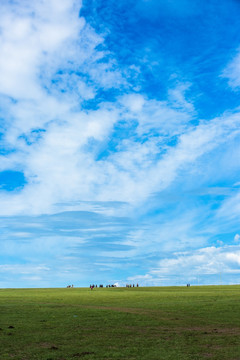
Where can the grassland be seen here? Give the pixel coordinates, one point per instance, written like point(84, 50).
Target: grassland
point(120, 323)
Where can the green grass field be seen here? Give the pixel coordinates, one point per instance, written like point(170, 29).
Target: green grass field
point(120, 323)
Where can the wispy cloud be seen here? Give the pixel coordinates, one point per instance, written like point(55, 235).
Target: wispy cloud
point(232, 72)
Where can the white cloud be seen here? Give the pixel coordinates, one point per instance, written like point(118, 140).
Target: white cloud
point(209, 260)
point(237, 237)
point(230, 208)
point(203, 263)
point(166, 117)
point(232, 72)
point(23, 269)
point(32, 35)
point(177, 96)
point(133, 102)
point(62, 167)
point(58, 144)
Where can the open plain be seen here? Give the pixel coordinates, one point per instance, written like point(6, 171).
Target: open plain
point(145, 323)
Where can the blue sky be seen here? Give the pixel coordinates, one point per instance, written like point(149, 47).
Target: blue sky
point(119, 142)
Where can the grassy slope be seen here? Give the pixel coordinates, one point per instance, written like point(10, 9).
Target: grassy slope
point(119, 323)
